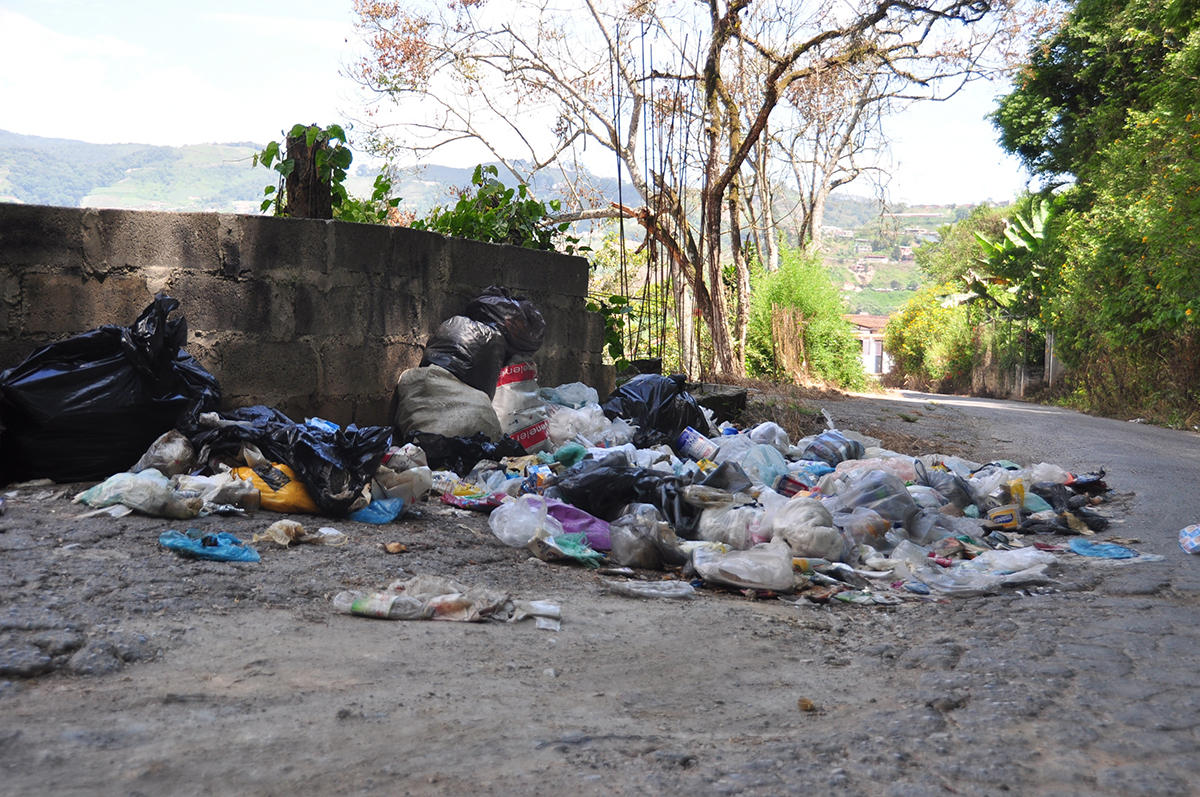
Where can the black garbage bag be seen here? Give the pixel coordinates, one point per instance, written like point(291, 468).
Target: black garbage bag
point(471, 350)
point(87, 407)
point(1089, 483)
point(604, 487)
point(515, 317)
point(333, 465)
point(461, 454)
point(729, 476)
point(659, 404)
point(1057, 495)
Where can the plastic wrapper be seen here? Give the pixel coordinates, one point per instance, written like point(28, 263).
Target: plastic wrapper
point(470, 350)
point(573, 395)
point(221, 489)
point(903, 468)
point(461, 454)
point(863, 527)
point(767, 566)
point(764, 465)
point(516, 522)
point(733, 448)
point(985, 574)
point(588, 422)
point(285, 532)
point(729, 476)
point(432, 400)
point(513, 316)
point(385, 510)
point(832, 447)
point(334, 466)
point(409, 485)
point(880, 491)
point(424, 598)
point(1046, 472)
point(807, 527)
point(219, 547)
point(87, 407)
point(656, 404)
point(147, 493)
point(170, 454)
point(928, 526)
point(926, 497)
point(556, 548)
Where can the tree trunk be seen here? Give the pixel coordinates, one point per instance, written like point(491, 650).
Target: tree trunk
point(741, 272)
point(308, 197)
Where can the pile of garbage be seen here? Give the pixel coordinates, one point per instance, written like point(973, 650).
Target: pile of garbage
point(641, 481)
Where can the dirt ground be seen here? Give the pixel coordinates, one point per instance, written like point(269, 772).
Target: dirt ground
point(129, 670)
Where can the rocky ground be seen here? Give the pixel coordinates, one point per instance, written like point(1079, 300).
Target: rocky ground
point(125, 669)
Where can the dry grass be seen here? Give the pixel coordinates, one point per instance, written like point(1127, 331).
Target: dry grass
point(794, 407)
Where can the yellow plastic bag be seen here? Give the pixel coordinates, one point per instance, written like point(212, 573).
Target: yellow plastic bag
point(281, 490)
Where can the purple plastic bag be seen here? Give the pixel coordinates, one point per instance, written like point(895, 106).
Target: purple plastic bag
point(576, 521)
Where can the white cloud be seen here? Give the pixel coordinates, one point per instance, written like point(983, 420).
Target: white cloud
point(104, 89)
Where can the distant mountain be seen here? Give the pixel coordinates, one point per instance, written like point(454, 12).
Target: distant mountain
point(200, 177)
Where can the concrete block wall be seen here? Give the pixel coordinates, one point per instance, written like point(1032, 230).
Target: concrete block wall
point(313, 317)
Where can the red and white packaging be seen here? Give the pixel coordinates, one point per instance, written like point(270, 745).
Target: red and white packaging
point(521, 413)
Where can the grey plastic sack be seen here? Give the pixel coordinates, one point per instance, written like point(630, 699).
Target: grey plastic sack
point(433, 400)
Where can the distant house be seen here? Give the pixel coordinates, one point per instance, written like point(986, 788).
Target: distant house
point(868, 329)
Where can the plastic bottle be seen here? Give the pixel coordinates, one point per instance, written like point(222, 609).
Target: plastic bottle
point(383, 605)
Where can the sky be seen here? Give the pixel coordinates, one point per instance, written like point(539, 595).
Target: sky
point(171, 73)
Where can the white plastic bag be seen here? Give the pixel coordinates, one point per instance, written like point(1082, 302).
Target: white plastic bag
point(806, 525)
point(148, 492)
point(734, 526)
point(771, 434)
point(516, 522)
point(766, 566)
point(587, 422)
point(733, 448)
point(411, 484)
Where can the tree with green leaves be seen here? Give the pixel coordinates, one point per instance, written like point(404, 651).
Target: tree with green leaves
point(1111, 100)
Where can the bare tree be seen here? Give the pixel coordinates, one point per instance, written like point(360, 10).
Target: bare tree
point(681, 93)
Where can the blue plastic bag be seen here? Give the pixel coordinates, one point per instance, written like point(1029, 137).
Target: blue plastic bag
point(385, 510)
point(1101, 550)
point(219, 547)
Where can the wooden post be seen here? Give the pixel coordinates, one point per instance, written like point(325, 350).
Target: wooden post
point(308, 197)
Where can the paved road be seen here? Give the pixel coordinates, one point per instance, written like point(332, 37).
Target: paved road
point(1088, 691)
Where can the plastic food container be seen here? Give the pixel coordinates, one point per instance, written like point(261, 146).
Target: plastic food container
point(1006, 517)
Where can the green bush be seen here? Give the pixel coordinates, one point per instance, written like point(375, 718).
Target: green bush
point(803, 283)
point(931, 346)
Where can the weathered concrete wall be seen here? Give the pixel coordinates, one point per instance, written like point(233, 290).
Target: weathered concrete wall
point(312, 317)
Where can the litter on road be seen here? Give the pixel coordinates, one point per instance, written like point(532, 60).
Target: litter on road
point(643, 483)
